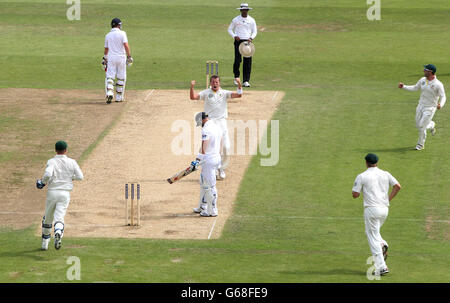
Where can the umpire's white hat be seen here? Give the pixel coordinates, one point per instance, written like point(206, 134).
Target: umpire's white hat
point(247, 49)
point(244, 6)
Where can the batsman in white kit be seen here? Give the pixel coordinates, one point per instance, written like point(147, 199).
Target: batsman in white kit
point(59, 174)
point(209, 159)
point(432, 97)
point(216, 108)
point(374, 184)
point(116, 58)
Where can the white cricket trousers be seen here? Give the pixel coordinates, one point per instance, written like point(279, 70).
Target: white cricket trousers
point(55, 209)
point(226, 144)
point(424, 116)
point(374, 218)
point(117, 67)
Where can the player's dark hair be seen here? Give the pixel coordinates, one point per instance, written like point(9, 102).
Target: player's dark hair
point(214, 77)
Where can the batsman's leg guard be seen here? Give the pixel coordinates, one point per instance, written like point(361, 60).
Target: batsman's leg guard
point(201, 197)
point(59, 227)
point(109, 86)
point(46, 229)
point(120, 89)
point(209, 205)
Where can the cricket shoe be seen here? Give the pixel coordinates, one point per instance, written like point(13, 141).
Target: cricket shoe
point(197, 210)
point(246, 84)
point(433, 131)
point(222, 174)
point(58, 241)
point(419, 147)
point(381, 272)
point(205, 214)
point(235, 82)
point(385, 249)
point(109, 99)
point(45, 244)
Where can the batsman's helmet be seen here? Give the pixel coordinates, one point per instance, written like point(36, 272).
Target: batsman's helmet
point(199, 117)
point(115, 22)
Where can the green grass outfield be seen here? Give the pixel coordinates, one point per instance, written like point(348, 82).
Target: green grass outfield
point(295, 222)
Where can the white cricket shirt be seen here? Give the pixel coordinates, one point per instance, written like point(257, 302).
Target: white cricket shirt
point(216, 102)
point(430, 91)
point(374, 183)
point(60, 171)
point(212, 132)
point(114, 41)
point(244, 28)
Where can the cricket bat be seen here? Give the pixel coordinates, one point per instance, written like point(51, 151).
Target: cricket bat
point(181, 174)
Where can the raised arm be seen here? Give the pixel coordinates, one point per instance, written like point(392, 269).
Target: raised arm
point(410, 88)
point(192, 94)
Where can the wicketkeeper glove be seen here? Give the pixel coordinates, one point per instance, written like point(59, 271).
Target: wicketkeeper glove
point(129, 61)
point(39, 184)
point(104, 63)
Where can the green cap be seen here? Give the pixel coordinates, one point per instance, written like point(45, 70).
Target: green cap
point(60, 145)
point(371, 158)
point(430, 67)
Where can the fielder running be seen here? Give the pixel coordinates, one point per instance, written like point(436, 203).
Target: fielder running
point(374, 184)
point(209, 156)
point(432, 97)
point(59, 173)
point(217, 110)
point(116, 58)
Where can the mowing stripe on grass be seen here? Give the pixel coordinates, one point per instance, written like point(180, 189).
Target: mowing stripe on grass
point(339, 218)
point(102, 135)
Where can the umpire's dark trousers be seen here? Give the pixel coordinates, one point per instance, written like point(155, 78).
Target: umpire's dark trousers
point(247, 66)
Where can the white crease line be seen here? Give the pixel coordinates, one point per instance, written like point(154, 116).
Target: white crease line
point(149, 94)
point(19, 213)
point(342, 218)
point(95, 225)
point(212, 228)
point(274, 95)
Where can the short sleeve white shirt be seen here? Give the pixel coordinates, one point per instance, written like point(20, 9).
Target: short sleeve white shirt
point(211, 132)
point(114, 41)
point(215, 102)
point(374, 184)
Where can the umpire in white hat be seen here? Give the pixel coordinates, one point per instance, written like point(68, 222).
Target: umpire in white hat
point(242, 28)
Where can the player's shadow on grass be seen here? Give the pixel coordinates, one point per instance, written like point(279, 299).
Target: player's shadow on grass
point(388, 150)
point(33, 254)
point(336, 271)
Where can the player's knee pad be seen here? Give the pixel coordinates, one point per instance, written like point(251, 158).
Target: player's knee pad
point(210, 198)
point(46, 229)
point(109, 83)
point(120, 85)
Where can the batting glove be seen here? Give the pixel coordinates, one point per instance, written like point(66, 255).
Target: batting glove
point(39, 184)
point(195, 164)
point(104, 62)
point(129, 60)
